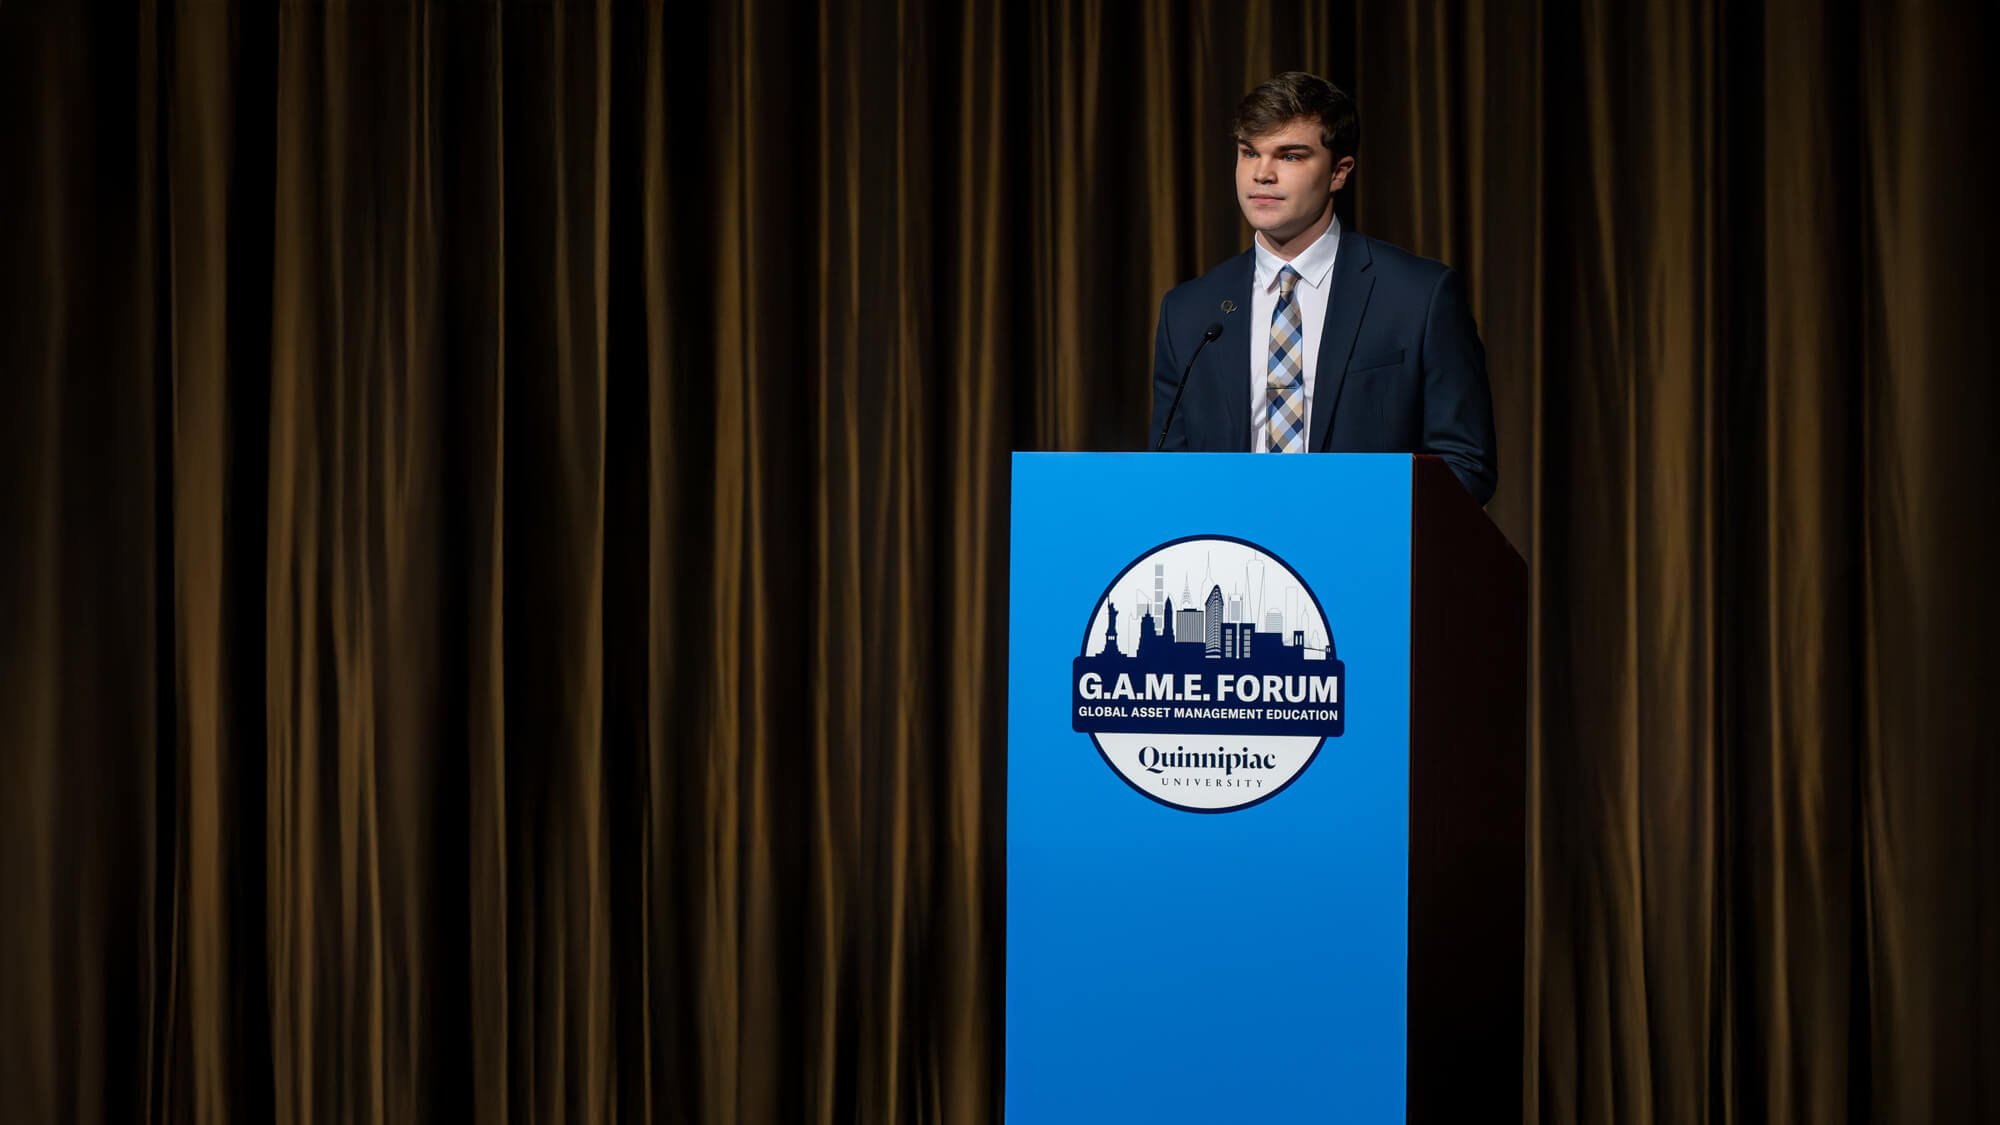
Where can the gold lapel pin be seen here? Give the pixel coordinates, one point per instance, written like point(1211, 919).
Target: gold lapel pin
point(1229, 306)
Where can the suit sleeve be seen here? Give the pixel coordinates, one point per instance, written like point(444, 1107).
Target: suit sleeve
point(1166, 376)
point(1458, 402)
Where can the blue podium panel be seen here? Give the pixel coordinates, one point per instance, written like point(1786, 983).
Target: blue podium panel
point(1207, 850)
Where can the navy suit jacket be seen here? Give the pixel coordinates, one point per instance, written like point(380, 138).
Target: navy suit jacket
point(1400, 368)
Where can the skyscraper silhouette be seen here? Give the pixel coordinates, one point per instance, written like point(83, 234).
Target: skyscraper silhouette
point(1212, 636)
point(1189, 628)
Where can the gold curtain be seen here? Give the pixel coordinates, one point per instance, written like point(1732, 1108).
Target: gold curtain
point(505, 510)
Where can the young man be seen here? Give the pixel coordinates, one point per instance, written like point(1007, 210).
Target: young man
point(1331, 341)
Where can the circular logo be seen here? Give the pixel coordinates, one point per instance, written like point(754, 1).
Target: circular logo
point(1208, 678)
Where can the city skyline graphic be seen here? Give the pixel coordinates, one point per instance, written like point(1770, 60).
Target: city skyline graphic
point(1197, 601)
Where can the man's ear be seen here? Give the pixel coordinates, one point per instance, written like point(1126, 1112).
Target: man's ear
point(1342, 168)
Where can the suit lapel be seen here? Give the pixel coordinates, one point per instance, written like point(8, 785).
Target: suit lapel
point(1227, 354)
point(1352, 283)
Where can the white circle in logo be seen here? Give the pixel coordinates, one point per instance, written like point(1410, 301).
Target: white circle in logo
point(1208, 678)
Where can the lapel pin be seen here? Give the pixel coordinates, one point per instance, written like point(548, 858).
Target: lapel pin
point(1229, 306)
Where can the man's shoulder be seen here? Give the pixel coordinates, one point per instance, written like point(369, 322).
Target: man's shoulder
point(1230, 274)
point(1392, 262)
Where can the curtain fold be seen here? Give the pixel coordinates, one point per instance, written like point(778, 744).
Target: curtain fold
point(506, 510)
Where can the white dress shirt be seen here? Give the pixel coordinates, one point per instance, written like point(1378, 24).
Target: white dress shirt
point(1315, 284)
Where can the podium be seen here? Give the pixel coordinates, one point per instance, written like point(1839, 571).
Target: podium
point(1265, 792)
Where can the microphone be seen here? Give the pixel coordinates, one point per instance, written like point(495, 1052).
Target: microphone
point(1207, 336)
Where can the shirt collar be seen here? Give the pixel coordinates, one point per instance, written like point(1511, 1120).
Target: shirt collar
point(1314, 265)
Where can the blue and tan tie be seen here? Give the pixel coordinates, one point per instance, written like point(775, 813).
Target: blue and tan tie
point(1284, 375)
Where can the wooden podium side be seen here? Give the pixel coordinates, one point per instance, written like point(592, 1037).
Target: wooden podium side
point(1468, 801)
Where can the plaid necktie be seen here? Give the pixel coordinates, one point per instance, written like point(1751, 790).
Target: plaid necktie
point(1284, 375)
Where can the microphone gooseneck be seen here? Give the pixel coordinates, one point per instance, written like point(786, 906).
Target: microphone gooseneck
point(1208, 336)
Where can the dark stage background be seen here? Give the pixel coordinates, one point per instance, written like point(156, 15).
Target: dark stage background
point(505, 531)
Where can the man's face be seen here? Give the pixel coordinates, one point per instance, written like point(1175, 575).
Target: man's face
point(1285, 178)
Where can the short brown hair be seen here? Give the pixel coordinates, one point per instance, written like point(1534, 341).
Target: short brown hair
point(1296, 94)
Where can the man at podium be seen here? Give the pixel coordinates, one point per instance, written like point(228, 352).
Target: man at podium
point(1317, 338)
